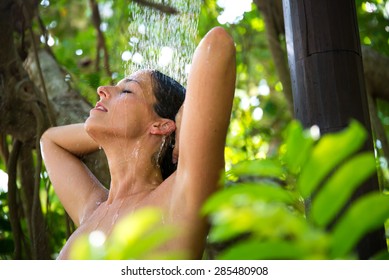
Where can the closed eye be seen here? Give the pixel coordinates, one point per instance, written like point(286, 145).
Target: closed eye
point(127, 91)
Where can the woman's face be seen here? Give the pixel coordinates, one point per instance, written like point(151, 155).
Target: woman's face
point(126, 109)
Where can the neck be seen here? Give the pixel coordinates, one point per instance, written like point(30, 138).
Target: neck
point(131, 167)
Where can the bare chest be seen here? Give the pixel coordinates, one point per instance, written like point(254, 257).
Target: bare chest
point(103, 220)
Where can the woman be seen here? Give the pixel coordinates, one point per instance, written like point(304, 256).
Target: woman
point(134, 131)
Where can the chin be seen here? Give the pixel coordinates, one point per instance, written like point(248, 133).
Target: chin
point(93, 128)
point(100, 131)
point(88, 124)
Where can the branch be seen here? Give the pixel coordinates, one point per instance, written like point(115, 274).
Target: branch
point(4, 151)
point(376, 73)
point(101, 45)
point(51, 116)
point(160, 7)
point(379, 133)
point(12, 199)
point(376, 76)
point(272, 14)
point(20, 125)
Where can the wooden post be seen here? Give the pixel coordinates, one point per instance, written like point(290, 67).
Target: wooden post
point(325, 61)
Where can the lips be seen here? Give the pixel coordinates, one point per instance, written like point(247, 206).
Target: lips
point(99, 106)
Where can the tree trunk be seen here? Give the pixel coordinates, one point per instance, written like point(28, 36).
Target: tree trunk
point(16, 96)
point(68, 105)
point(376, 77)
point(376, 73)
point(24, 114)
point(327, 78)
point(36, 225)
point(376, 68)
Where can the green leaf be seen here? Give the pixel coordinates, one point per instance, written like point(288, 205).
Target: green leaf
point(258, 167)
point(327, 154)
point(246, 192)
point(232, 225)
point(367, 214)
point(298, 145)
point(384, 255)
point(93, 79)
point(265, 219)
point(144, 246)
point(82, 249)
point(339, 188)
point(256, 250)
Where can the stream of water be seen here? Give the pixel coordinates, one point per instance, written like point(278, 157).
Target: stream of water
point(162, 41)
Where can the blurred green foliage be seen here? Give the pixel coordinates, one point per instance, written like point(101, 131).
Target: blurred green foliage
point(282, 207)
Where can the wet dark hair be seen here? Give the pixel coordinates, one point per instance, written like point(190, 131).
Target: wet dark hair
point(170, 95)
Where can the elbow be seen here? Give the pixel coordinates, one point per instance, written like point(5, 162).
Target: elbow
point(45, 135)
point(219, 38)
point(221, 35)
point(45, 138)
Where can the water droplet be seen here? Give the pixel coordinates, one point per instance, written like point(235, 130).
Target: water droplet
point(115, 217)
point(160, 150)
point(67, 78)
point(45, 3)
point(315, 132)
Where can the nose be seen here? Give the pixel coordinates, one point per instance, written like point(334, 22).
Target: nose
point(103, 91)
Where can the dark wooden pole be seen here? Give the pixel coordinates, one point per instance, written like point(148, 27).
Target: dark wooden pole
point(325, 61)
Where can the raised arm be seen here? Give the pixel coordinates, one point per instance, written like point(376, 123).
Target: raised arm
point(206, 114)
point(77, 188)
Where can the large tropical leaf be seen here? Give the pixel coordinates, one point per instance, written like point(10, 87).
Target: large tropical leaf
point(340, 186)
point(327, 154)
point(368, 213)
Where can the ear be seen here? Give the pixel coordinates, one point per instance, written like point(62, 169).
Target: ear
point(163, 127)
